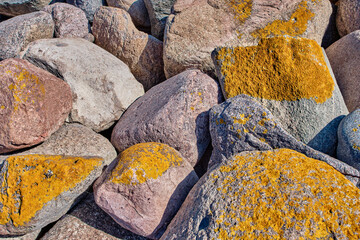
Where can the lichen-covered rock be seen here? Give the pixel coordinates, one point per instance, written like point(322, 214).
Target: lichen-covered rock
point(114, 31)
point(279, 194)
point(19, 7)
point(33, 104)
point(291, 78)
point(344, 57)
point(88, 6)
point(16, 33)
point(174, 112)
point(197, 27)
point(348, 16)
point(145, 187)
point(102, 85)
point(38, 189)
point(243, 124)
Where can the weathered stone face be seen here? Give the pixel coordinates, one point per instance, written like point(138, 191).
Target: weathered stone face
point(18, 7)
point(348, 17)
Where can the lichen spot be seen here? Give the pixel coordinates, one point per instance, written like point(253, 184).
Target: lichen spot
point(29, 182)
point(144, 161)
point(241, 9)
point(279, 68)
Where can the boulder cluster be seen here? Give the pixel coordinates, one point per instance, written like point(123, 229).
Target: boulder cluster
point(179, 119)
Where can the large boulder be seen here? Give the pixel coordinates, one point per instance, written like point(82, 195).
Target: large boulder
point(88, 6)
point(279, 194)
point(16, 33)
point(19, 7)
point(33, 104)
point(348, 16)
point(175, 112)
point(102, 85)
point(143, 189)
point(114, 31)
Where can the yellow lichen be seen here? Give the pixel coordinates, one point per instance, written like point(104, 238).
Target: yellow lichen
point(241, 9)
point(144, 161)
point(356, 147)
point(277, 69)
point(242, 119)
point(31, 181)
point(354, 129)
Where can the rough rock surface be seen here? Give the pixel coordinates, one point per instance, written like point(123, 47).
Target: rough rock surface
point(145, 187)
point(290, 77)
point(19, 7)
point(33, 104)
point(174, 112)
point(16, 33)
point(344, 57)
point(30, 236)
point(348, 16)
point(88, 6)
point(102, 85)
point(197, 27)
point(43, 187)
point(279, 194)
point(114, 31)
point(243, 124)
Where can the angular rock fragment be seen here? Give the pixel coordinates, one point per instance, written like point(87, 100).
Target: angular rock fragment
point(19, 7)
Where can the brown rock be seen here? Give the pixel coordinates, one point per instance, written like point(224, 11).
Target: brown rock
point(33, 104)
point(348, 16)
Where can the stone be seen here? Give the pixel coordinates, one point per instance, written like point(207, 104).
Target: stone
point(291, 77)
point(19, 7)
point(88, 6)
point(114, 31)
point(197, 27)
point(33, 104)
point(17, 32)
point(137, 11)
point(344, 57)
point(70, 21)
point(39, 189)
point(276, 194)
point(30, 236)
point(243, 124)
point(158, 10)
point(102, 85)
point(74, 140)
point(88, 221)
point(175, 112)
point(145, 187)
point(348, 16)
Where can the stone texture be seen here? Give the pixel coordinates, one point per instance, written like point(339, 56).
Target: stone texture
point(243, 124)
point(145, 187)
point(102, 85)
point(158, 10)
point(114, 31)
point(29, 236)
point(344, 57)
point(70, 21)
point(174, 112)
point(16, 33)
point(278, 194)
point(88, 221)
point(88, 6)
point(43, 187)
point(19, 7)
point(33, 104)
point(197, 27)
point(348, 16)
point(290, 77)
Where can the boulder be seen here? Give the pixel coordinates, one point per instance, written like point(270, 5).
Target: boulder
point(39, 189)
point(19, 7)
point(114, 31)
point(88, 6)
point(33, 104)
point(30, 236)
point(348, 16)
point(16, 33)
point(143, 189)
point(102, 85)
point(175, 112)
point(276, 194)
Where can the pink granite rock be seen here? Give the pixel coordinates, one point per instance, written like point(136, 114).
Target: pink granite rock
point(348, 16)
point(33, 104)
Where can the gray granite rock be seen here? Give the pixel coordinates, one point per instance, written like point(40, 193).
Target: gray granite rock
point(88, 6)
point(19, 7)
point(30, 236)
point(348, 16)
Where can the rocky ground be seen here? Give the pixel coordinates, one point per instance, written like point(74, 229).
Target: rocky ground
point(187, 119)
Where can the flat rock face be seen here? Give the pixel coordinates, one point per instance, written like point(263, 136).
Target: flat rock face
point(174, 112)
point(18, 7)
point(33, 104)
point(16, 33)
point(102, 85)
point(114, 31)
point(30, 236)
point(199, 26)
point(88, 6)
point(145, 187)
point(291, 78)
point(272, 194)
point(344, 57)
point(348, 16)
point(39, 189)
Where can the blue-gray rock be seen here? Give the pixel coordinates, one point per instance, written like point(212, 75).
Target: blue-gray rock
point(88, 6)
point(19, 7)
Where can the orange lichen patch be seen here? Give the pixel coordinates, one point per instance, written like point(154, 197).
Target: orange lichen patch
point(356, 147)
point(242, 119)
point(277, 69)
point(144, 161)
point(272, 194)
point(241, 9)
point(31, 181)
point(354, 129)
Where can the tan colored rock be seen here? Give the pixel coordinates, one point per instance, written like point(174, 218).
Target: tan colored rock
point(348, 16)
